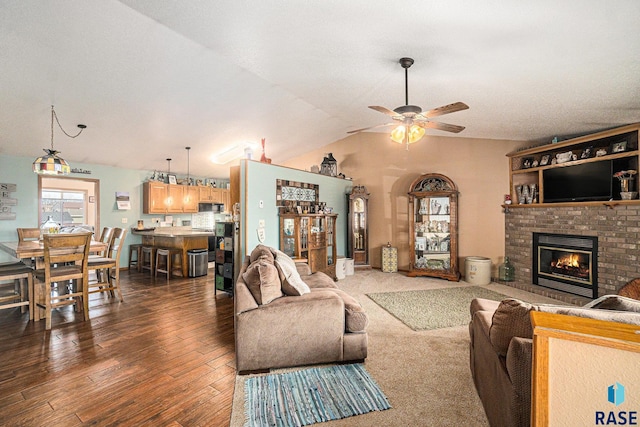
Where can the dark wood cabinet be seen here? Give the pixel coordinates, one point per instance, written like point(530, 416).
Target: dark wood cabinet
point(433, 227)
point(310, 238)
point(358, 223)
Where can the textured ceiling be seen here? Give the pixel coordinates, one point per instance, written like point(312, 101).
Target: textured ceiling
point(151, 77)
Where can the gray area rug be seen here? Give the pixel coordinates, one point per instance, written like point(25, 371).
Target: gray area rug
point(310, 396)
point(423, 310)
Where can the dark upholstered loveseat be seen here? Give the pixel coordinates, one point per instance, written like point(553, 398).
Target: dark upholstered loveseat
point(501, 350)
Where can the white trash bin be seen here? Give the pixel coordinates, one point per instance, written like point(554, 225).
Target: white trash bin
point(348, 266)
point(340, 273)
point(477, 270)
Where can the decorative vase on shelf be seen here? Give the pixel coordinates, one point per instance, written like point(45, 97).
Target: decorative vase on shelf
point(628, 195)
point(506, 271)
point(624, 185)
point(49, 227)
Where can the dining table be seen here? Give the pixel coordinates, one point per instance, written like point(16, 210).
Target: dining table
point(34, 249)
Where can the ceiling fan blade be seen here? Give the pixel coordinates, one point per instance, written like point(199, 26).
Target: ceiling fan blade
point(440, 126)
point(384, 110)
point(371, 127)
point(445, 109)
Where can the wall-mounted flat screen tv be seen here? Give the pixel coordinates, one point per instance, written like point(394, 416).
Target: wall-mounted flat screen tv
point(578, 183)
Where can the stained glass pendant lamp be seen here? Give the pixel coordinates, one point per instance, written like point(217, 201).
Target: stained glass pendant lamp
point(51, 163)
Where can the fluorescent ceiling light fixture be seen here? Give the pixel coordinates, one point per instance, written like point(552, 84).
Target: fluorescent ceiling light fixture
point(233, 152)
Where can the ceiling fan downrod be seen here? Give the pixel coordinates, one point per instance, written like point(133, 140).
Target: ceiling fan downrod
point(406, 63)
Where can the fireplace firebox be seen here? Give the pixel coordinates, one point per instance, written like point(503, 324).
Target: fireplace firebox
point(566, 263)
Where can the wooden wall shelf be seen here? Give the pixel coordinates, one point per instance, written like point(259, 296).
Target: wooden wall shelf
point(608, 203)
point(520, 173)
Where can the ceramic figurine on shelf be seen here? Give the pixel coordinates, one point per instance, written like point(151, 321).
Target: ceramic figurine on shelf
point(435, 207)
point(423, 207)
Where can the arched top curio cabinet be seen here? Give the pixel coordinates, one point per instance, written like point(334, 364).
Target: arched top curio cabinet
point(433, 227)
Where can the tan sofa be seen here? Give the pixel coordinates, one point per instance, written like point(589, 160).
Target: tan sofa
point(501, 350)
point(276, 326)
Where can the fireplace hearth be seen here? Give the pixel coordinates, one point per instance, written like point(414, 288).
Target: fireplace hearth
point(566, 263)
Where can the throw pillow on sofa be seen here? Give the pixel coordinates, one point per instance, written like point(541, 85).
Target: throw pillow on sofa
point(261, 252)
point(511, 319)
point(263, 281)
point(292, 283)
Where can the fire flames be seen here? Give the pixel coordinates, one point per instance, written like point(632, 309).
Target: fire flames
point(571, 265)
point(568, 261)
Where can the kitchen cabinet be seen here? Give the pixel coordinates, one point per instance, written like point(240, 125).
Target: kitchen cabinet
point(204, 194)
point(154, 197)
point(175, 196)
point(190, 200)
point(160, 198)
point(214, 195)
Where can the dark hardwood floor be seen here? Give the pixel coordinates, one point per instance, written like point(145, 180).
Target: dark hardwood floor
point(165, 356)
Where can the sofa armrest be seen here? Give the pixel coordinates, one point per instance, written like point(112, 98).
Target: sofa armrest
point(303, 268)
point(519, 367)
point(291, 331)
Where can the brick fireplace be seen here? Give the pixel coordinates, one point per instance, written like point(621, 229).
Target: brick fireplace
point(617, 230)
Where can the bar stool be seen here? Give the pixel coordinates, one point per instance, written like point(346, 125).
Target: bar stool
point(147, 260)
point(164, 261)
point(136, 248)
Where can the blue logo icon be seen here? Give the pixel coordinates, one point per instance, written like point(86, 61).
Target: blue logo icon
point(615, 394)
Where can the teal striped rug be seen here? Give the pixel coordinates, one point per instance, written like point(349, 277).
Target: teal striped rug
point(309, 396)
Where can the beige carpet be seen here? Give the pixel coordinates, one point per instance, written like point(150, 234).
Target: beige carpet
point(425, 374)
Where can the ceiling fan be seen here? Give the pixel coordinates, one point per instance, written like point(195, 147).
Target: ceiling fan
point(412, 120)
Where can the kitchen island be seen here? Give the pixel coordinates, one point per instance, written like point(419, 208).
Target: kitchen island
point(182, 238)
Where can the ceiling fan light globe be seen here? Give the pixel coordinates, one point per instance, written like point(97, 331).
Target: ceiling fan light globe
point(415, 134)
point(399, 134)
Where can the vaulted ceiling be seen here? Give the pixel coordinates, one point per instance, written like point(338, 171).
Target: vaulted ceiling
point(151, 77)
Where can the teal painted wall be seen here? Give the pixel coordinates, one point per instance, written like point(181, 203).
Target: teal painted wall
point(258, 183)
point(17, 170)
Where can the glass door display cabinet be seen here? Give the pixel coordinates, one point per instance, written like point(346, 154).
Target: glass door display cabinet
point(358, 236)
point(433, 227)
point(310, 238)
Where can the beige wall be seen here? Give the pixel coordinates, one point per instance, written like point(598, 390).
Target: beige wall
point(479, 167)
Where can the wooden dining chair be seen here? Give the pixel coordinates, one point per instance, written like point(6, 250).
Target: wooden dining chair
point(16, 289)
point(65, 276)
point(26, 234)
point(105, 237)
point(109, 266)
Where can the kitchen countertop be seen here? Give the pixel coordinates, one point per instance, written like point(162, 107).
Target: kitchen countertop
point(172, 232)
